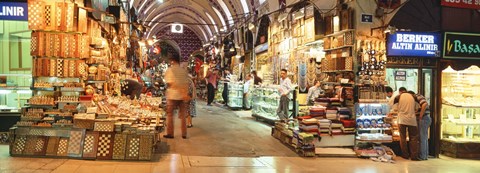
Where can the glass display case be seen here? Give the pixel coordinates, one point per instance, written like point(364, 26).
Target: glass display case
point(218, 93)
point(266, 100)
point(235, 95)
point(460, 112)
point(374, 123)
point(460, 106)
point(14, 91)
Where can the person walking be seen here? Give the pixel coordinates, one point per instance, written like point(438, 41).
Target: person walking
point(407, 121)
point(424, 121)
point(285, 89)
point(212, 78)
point(192, 92)
point(177, 96)
point(246, 88)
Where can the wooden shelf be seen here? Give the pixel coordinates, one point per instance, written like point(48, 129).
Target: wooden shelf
point(340, 32)
point(340, 47)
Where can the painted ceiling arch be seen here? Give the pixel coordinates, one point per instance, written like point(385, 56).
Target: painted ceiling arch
point(227, 11)
point(188, 42)
point(160, 20)
point(201, 33)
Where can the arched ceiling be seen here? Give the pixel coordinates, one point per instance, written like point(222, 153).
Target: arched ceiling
point(206, 18)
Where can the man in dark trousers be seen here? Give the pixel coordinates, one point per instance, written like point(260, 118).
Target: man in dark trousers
point(212, 79)
point(177, 96)
point(407, 121)
point(132, 88)
point(225, 81)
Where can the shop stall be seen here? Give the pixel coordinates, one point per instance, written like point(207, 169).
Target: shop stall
point(459, 111)
point(73, 112)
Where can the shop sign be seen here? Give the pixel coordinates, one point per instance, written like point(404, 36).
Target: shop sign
point(414, 44)
point(367, 18)
point(261, 48)
point(472, 4)
point(13, 11)
point(461, 45)
point(403, 61)
point(400, 75)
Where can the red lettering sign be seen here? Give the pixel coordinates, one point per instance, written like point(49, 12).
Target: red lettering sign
point(472, 4)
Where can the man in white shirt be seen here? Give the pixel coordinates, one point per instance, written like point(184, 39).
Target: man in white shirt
point(246, 88)
point(391, 98)
point(407, 120)
point(313, 93)
point(177, 96)
point(225, 82)
point(285, 89)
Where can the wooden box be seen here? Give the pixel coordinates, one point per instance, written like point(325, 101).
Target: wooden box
point(37, 47)
point(65, 15)
point(36, 18)
point(82, 20)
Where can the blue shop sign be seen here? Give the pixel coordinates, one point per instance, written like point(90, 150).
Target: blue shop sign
point(414, 44)
point(13, 11)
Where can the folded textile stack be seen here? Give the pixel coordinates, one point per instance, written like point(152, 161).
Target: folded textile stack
point(322, 102)
point(324, 126)
point(309, 125)
point(348, 126)
point(318, 111)
point(344, 113)
point(336, 127)
point(332, 113)
point(335, 102)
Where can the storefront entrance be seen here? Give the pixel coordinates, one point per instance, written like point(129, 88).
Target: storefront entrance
point(416, 74)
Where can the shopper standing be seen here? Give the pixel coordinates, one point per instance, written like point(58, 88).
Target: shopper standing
point(212, 78)
point(256, 80)
point(314, 92)
point(192, 92)
point(246, 88)
point(177, 95)
point(225, 81)
point(424, 121)
point(407, 121)
point(285, 88)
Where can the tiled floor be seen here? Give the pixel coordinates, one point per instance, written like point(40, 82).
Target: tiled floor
point(199, 164)
point(223, 141)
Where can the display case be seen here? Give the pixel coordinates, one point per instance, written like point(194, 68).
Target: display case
point(373, 122)
point(14, 91)
point(235, 95)
point(219, 92)
point(460, 113)
point(267, 99)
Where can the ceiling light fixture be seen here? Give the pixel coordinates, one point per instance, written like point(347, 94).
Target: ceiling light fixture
point(251, 26)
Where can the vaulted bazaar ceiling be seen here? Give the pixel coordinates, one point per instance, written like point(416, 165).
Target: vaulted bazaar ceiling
point(205, 18)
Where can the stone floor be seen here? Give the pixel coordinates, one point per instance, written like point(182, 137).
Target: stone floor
point(226, 141)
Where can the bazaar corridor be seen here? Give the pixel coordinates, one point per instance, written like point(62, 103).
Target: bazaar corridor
point(230, 141)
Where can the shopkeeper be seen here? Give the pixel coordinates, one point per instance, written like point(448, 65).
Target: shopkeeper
point(246, 88)
point(285, 89)
point(314, 92)
point(225, 81)
point(131, 88)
